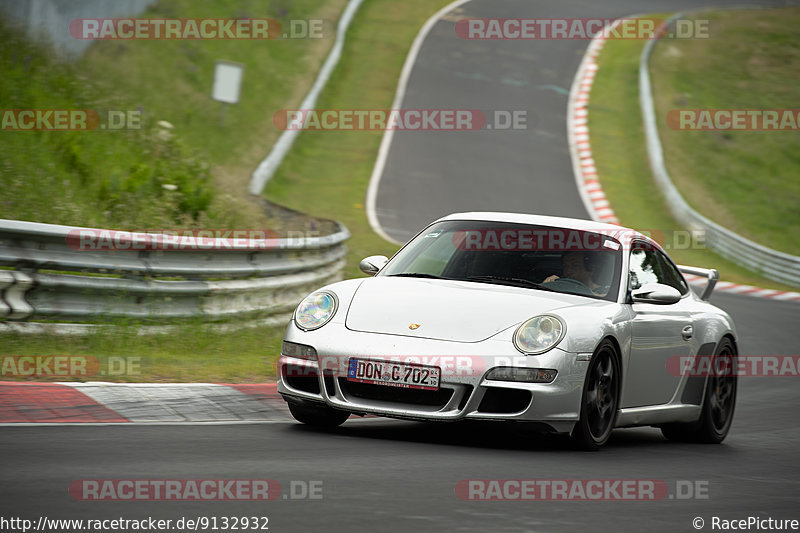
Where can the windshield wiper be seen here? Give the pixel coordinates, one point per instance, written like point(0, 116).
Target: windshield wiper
point(414, 275)
point(516, 281)
point(480, 279)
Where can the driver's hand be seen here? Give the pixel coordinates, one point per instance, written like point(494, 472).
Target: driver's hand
point(548, 279)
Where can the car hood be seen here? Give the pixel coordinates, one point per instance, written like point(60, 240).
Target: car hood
point(446, 310)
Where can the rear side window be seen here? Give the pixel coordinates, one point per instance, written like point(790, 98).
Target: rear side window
point(648, 265)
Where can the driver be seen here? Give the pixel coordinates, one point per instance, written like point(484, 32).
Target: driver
point(580, 267)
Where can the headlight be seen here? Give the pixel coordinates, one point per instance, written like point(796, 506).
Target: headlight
point(315, 310)
point(539, 334)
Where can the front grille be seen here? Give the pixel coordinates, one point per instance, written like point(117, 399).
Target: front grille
point(385, 393)
point(301, 378)
point(504, 401)
point(465, 397)
point(328, 380)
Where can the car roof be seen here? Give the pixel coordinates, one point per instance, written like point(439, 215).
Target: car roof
point(613, 230)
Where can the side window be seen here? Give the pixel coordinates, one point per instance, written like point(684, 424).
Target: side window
point(670, 275)
point(652, 266)
point(642, 268)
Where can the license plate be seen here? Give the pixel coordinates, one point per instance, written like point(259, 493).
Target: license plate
point(393, 374)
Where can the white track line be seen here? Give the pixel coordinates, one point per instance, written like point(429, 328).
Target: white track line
point(267, 168)
point(399, 95)
point(580, 149)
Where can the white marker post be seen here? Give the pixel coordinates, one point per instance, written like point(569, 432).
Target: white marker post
point(227, 83)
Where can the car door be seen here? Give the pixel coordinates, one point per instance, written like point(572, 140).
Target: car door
point(658, 331)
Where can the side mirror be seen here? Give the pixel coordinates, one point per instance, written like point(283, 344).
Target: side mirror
point(372, 264)
point(655, 293)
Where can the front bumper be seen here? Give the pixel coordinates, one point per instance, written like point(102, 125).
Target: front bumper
point(464, 391)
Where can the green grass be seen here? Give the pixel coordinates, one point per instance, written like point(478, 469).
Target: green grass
point(327, 173)
point(745, 180)
point(620, 154)
point(115, 179)
point(190, 353)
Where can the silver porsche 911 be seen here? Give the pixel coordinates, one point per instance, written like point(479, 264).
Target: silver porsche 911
point(576, 326)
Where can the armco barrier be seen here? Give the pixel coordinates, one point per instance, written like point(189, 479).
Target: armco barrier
point(47, 278)
point(770, 263)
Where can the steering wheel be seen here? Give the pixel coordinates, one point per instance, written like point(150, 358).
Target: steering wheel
point(576, 284)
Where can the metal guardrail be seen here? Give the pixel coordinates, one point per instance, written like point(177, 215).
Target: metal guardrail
point(770, 263)
point(48, 278)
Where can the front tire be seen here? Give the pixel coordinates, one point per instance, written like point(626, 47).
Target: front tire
point(719, 402)
point(320, 416)
point(600, 399)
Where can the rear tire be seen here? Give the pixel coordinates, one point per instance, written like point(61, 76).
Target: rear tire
point(318, 416)
point(719, 402)
point(600, 399)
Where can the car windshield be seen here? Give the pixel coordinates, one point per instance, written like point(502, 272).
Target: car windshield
point(542, 258)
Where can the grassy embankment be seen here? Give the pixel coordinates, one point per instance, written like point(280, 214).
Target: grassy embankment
point(116, 179)
point(325, 175)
